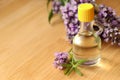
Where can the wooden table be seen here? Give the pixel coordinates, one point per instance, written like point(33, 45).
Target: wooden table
point(28, 43)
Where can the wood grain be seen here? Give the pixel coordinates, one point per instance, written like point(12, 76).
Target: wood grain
point(28, 43)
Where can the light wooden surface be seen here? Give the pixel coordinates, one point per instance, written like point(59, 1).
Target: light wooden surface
point(28, 43)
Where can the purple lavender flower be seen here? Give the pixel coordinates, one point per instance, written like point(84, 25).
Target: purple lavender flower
point(60, 59)
point(106, 17)
point(69, 15)
point(112, 34)
point(56, 6)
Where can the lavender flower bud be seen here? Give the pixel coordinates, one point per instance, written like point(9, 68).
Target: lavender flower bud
point(60, 59)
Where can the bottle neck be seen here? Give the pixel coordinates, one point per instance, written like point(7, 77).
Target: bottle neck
point(86, 28)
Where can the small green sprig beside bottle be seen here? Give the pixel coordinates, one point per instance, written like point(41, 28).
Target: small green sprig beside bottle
point(65, 61)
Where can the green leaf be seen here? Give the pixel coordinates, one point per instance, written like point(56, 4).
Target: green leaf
point(72, 60)
point(70, 54)
point(81, 61)
point(66, 65)
point(71, 69)
point(62, 2)
point(67, 1)
point(67, 70)
point(48, 3)
point(78, 72)
point(50, 15)
point(70, 50)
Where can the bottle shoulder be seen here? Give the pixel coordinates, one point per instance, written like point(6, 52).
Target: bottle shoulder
point(84, 41)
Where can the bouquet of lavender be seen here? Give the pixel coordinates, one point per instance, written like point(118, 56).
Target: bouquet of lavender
point(105, 16)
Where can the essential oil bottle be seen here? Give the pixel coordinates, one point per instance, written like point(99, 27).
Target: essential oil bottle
point(85, 45)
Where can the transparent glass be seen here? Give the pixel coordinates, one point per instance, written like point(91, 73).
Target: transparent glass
point(85, 45)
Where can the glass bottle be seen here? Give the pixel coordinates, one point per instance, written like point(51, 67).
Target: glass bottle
point(85, 45)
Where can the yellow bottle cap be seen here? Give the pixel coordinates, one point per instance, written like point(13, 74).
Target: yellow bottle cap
point(85, 12)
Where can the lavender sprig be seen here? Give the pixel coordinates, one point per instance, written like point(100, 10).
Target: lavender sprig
point(106, 16)
point(65, 61)
point(69, 15)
